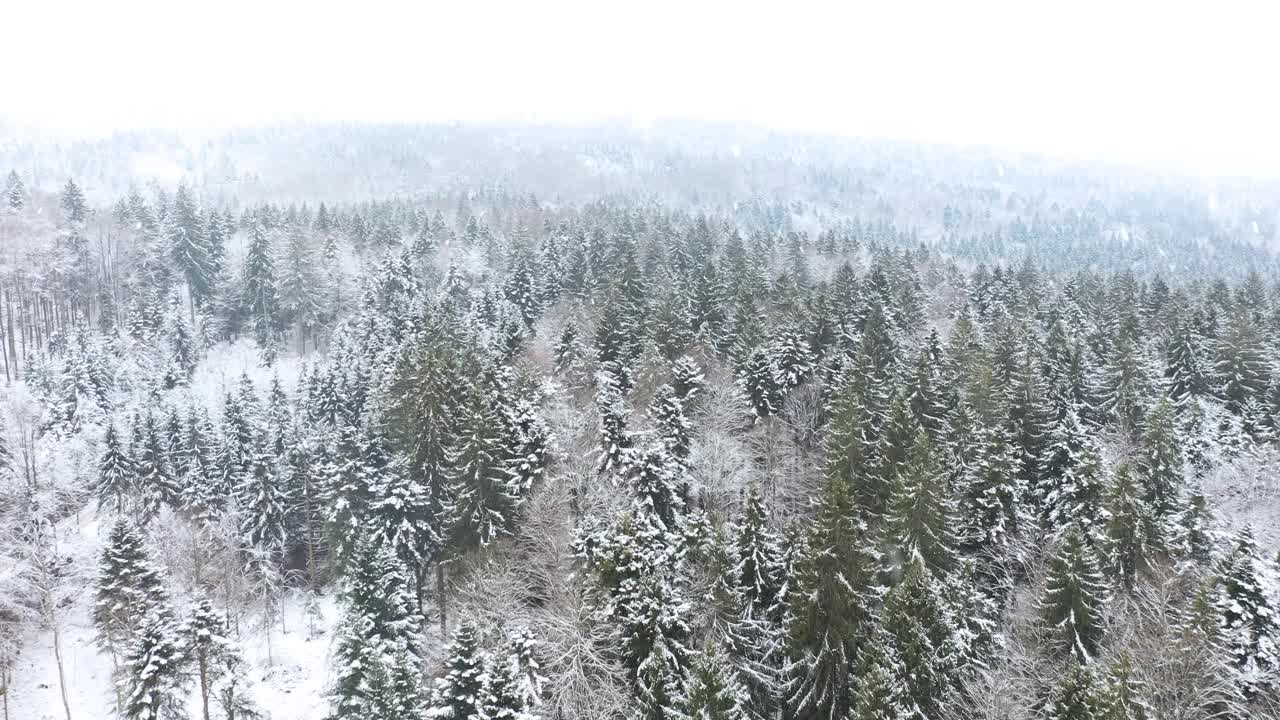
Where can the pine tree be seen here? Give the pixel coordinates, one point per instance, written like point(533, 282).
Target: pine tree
point(523, 650)
point(713, 693)
point(1241, 365)
point(378, 637)
point(1185, 371)
point(615, 441)
point(261, 296)
point(1078, 695)
point(829, 608)
point(1248, 621)
point(482, 498)
point(920, 523)
point(760, 384)
point(1075, 596)
point(157, 672)
point(879, 694)
point(667, 412)
point(1128, 520)
point(460, 694)
point(1160, 465)
point(116, 479)
point(128, 588)
point(759, 552)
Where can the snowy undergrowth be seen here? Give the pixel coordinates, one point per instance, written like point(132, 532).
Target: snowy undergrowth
point(290, 665)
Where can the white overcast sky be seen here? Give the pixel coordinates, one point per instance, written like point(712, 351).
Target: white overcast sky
point(1190, 84)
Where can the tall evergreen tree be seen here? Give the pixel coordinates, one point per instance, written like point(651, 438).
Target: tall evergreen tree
point(1075, 596)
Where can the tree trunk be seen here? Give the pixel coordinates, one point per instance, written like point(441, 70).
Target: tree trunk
point(57, 655)
point(440, 600)
point(204, 686)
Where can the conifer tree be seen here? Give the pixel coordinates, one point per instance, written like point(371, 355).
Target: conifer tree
point(879, 694)
point(157, 673)
point(1080, 491)
point(1125, 388)
point(151, 465)
point(1126, 543)
point(760, 384)
point(687, 380)
point(261, 295)
point(1185, 372)
point(128, 588)
point(1241, 365)
point(615, 441)
point(1078, 695)
point(916, 621)
point(853, 441)
point(713, 693)
point(115, 473)
point(1160, 465)
point(482, 498)
point(377, 638)
point(1248, 621)
point(1075, 596)
point(264, 503)
point(920, 523)
point(791, 355)
point(460, 693)
point(829, 608)
point(1121, 697)
point(667, 412)
point(660, 683)
point(14, 192)
point(759, 566)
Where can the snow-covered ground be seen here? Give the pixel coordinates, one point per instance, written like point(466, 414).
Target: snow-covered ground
point(290, 667)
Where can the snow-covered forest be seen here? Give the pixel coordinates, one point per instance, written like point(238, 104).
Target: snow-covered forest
point(683, 423)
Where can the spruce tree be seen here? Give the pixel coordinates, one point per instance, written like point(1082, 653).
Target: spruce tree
point(157, 671)
point(713, 692)
point(1185, 372)
point(377, 638)
point(667, 412)
point(920, 525)
point(482, 498)
point(879, 693)
point(615, 441)
point(116, 479)
point(1078, 695)
point(1241, 365)
point(916, 621)
point(460, 694)
point(1126, 540)
point(758, 550)
point(829, 608)
point(1075, 596)
point(261, 295)
point(1160, 467)
point(1248, 620)
point(760, 384)
point(128, 588)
